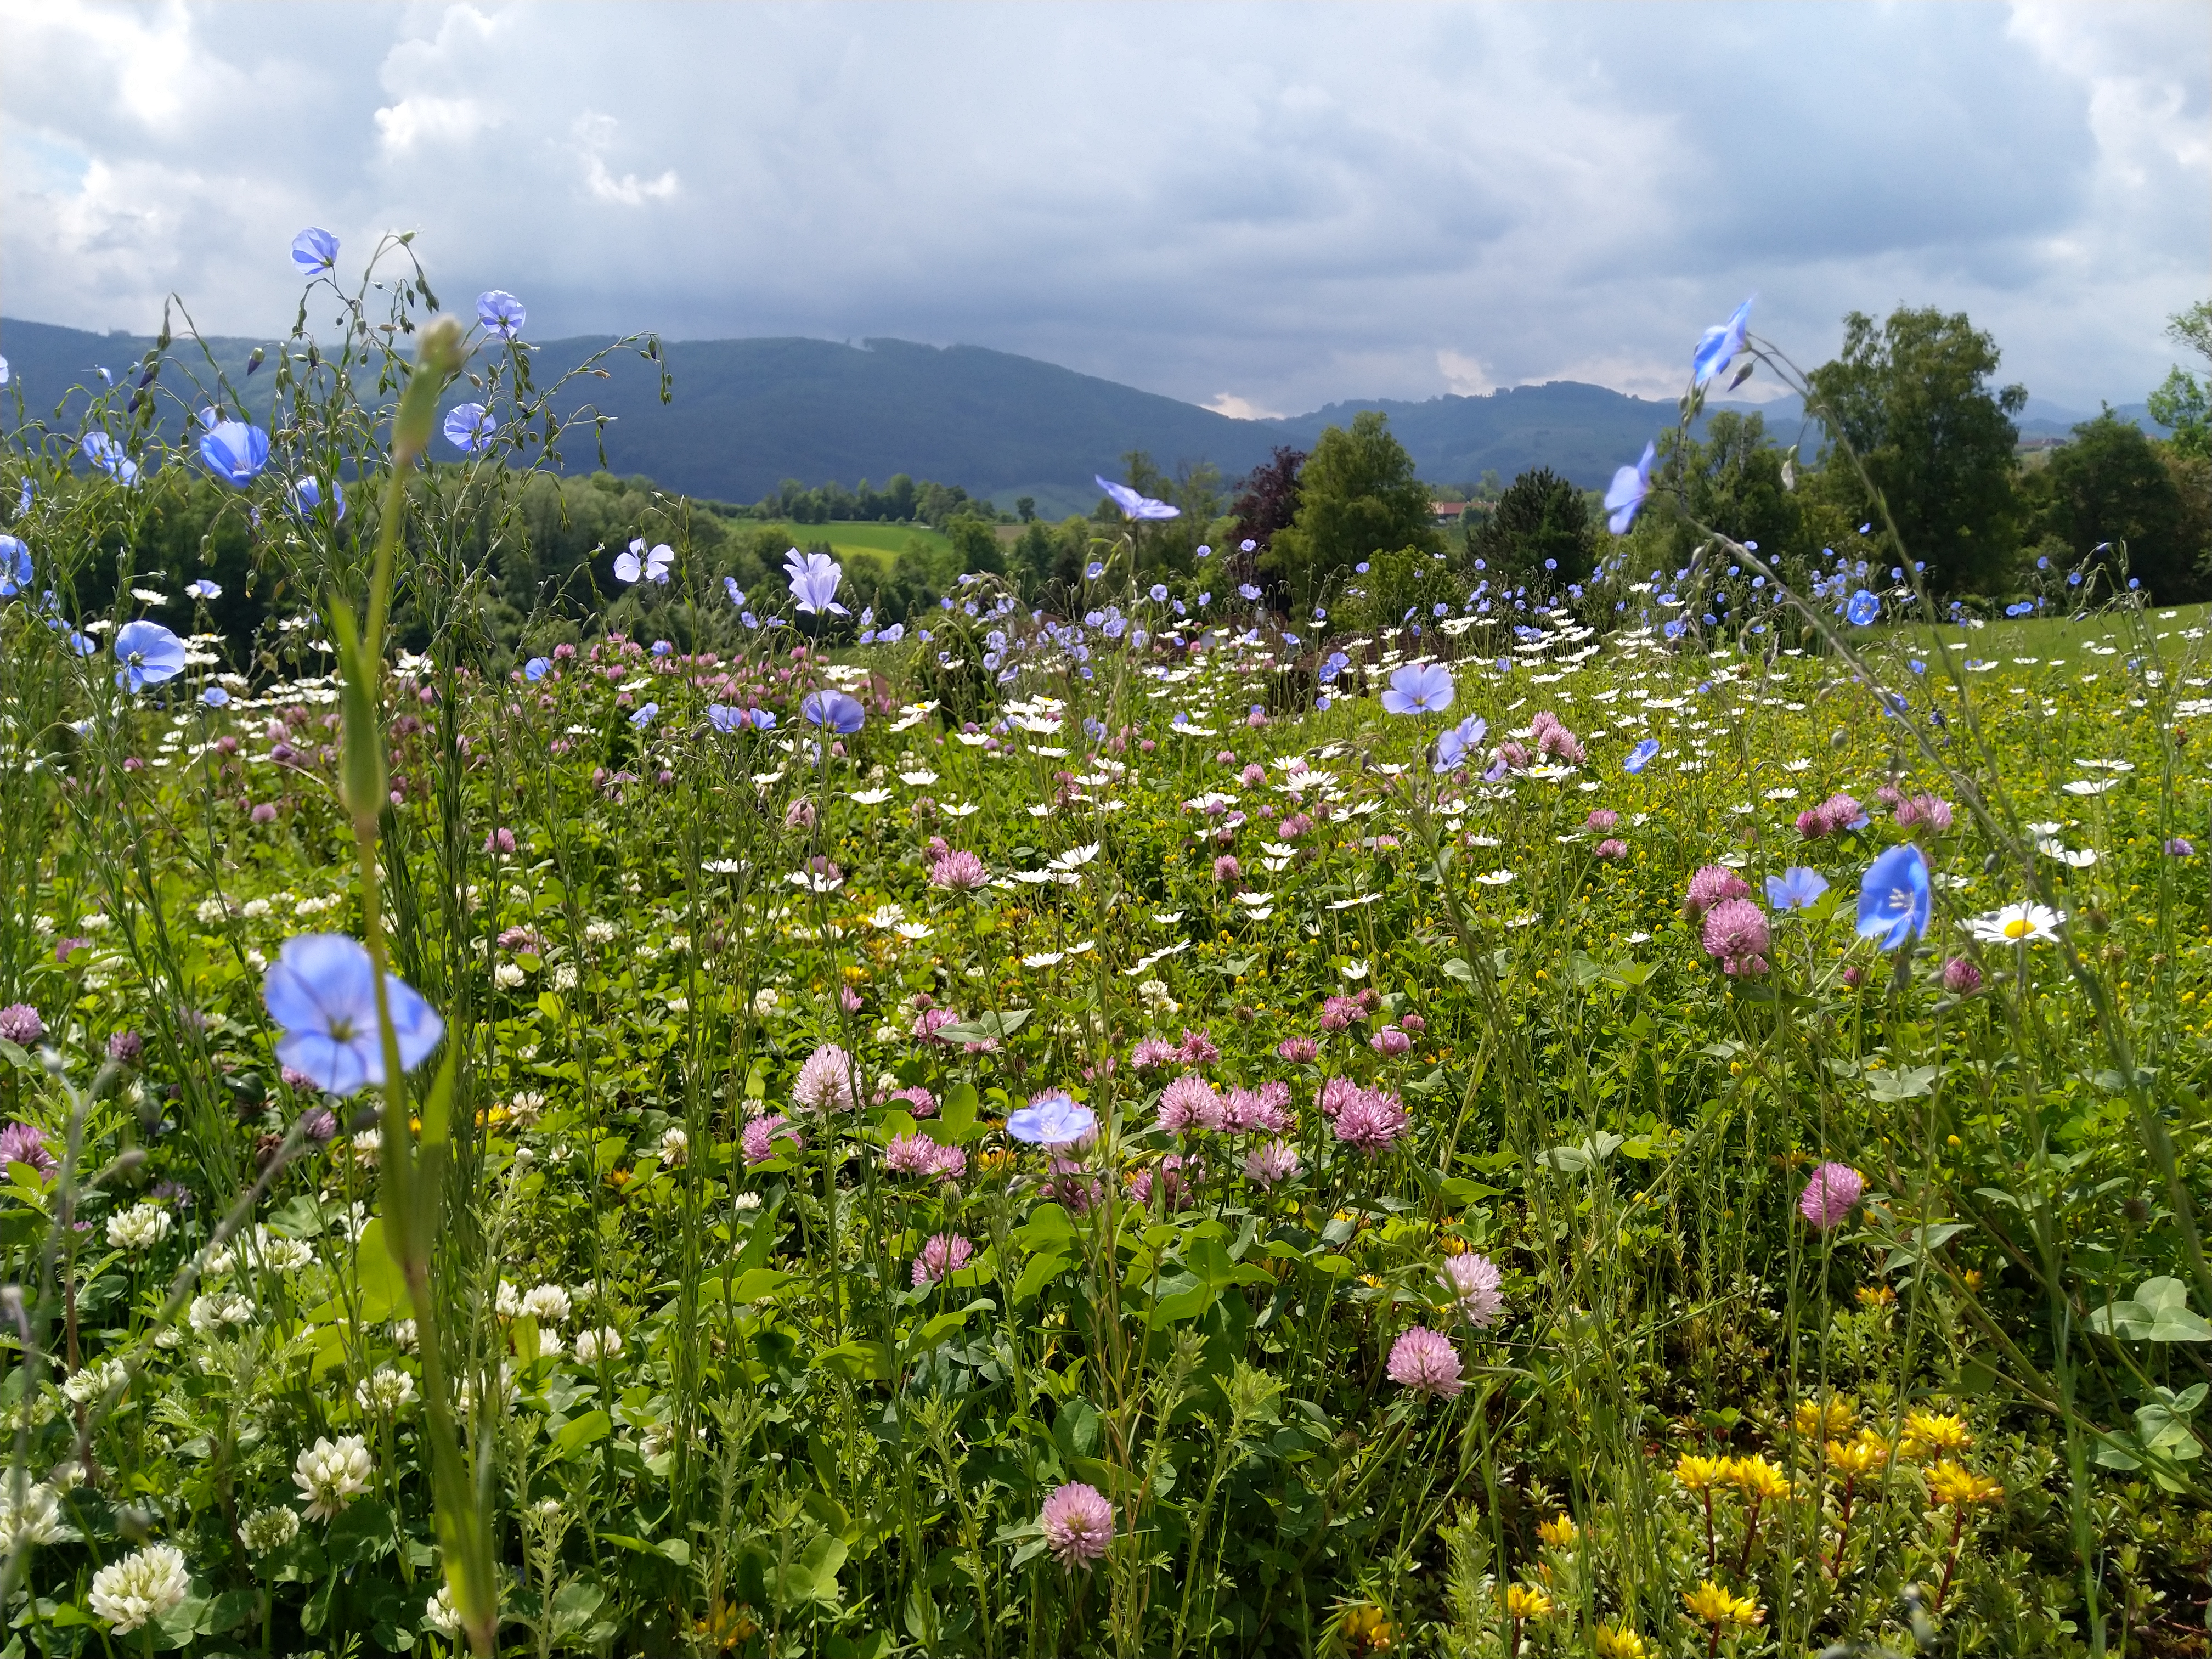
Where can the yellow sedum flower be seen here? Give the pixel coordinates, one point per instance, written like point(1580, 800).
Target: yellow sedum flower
point(1367, 1629)
point(1560, 1532)
point(1701, 1474)
point(1824, 1419)
point(1757, 1479)
point(1955, 1487)
point(1614, 1643)
point(1709, 1604)
point(1858, 1458)
point(1526, 1601)
point(1931, 1434)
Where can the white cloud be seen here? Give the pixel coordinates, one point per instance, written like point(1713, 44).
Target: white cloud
point(595, 134)
point(1464, 374)
point(1241, 409)
point(426, 120)
point(1346, 202)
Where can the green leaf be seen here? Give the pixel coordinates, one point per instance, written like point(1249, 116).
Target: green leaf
point(1039, 1271)
point(1182, 1296)
point(2157, 1312)
point(986, 1027)
point(1909, 1083)
point(1047, 1228)
point(958, 1117)
point(812, 1577)
point(579, 1432)
point(1075, 1429)
point(859, 1361)
point(1457, 968)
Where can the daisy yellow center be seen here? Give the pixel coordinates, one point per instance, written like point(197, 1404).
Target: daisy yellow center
point(2018, 927)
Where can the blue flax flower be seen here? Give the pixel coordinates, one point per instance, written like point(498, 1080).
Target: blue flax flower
point(313, 249)
point(1795, 888)
point(1418, 689)
point(1452, 745)
point(1894, 897)
point(15, 566)
point(814, 578)
point(469, 428)
point(644, 717)
point(1640, 756)
point(305, 497)
point(104, 452)
point(321, 989)
point(1718, 347)
point(536, 669)
point(501, 313)
point(149, 654)
point(1133, 505)
point(834, 709)
point(234, 452)
point(1862, 609)
point(215, 697)
point(1054, 1120)
point(1631, 486)
point(638, 561)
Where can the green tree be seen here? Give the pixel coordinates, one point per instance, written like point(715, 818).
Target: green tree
point(2110, 485)
point(1540, 532)
point(2183, 405)
point(1358, 496)
point(976, 539)
point(1913, 396)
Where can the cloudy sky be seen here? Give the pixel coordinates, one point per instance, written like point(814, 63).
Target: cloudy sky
point(1261, 208)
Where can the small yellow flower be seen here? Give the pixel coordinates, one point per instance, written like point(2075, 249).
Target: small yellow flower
point(1758, 1479)
point(1953, 1485)
point(1560, 1532)
point(1616, 1643)
point(1824, 1419)
point(1709, 1604)
point(1974, 1279)
point(1700, 1474)
point(1524, 1601)
point(1932, 1434)
point(1858, 1458)
point(1877, 1295)
point(1367, 1629)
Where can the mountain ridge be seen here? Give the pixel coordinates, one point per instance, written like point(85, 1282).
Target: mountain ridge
point(749, 413)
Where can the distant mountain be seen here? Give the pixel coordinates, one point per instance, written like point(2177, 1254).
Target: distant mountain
point(748, 414)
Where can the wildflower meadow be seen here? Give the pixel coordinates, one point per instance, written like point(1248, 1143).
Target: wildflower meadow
point(1660, 1117)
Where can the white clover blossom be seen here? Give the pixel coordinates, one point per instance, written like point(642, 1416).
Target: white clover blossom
point(593, 1346)
point(96, 1382)
point(548, 1304)
point(208, 1314)
point(442, 1615)
point(385, 1389)
point(140, 1588)
point(141, 1227)
point(35, 1520)
point(266, 1531)
point(331, 1473)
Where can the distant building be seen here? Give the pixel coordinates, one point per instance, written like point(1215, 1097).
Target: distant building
point(1449, 512)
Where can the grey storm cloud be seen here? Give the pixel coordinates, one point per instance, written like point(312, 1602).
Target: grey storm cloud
point(1264, 207)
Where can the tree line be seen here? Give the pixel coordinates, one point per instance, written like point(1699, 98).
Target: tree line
point(1916, 395)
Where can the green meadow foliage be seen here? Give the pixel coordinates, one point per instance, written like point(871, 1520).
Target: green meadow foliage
point(1149, 1126)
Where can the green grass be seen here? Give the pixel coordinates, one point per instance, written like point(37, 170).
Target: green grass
point(858, 544)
